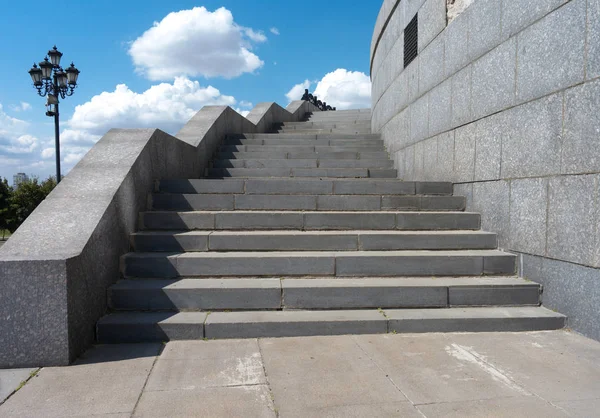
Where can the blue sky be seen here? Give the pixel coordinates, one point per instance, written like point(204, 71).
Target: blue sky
point(164, 55)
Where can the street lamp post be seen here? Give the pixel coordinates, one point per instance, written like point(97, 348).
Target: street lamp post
point(51, 80)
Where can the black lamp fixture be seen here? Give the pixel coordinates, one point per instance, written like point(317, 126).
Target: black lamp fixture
point(52, 81)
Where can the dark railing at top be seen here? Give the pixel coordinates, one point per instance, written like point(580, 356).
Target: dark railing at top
point(313, 99)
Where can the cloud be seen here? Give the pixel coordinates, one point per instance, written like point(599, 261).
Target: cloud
point(244, 103)
point(21, 107)
point(14, 138)
point(341, 88)
point(274, 31)
point(297, 91)
point(196, 42)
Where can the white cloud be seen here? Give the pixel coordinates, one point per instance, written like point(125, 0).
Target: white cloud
point(48, 153)
point(244, 113)
point(196, 42)
point(274, 31)
point(244, 103)
point(14, 138)
point(21, 107)
point(297, 91)
point(341, 88)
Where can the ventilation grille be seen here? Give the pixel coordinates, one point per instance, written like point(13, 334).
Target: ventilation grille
point(411, 41)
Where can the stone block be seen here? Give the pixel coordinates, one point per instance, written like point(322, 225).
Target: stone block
point(464, 154)
point(495, 295)
point(571, 212)
point(461, 97)
point(283, 241)
point(343, 203)
point(401, 202)
point(531, 143)
point(593, 39)
point(201, 186)
point(267, 187)
point(169, 241)
point(186, 202)
point(349, 221)
point(275, 202)
point(409, 163)
point(466, 190)
point(492, 200)
point(397, 131)
point(430, 159)
point(440, 108)
point(412, 72)
point(493, 79)
point(360, 294)
point(419, 169)
point(437, 221)
point(434, 188)
point(431, 65)
point(419, 119)
point(581, 147)
point(257, 220)
point(291, 324)
point(373, 187)
point(432, 20)
point(177, 221)
point(445, 156)
point(457, 45)
point(485, 30)
point(528, 203)
point(519, 14)
point(443, 203)
point(555, 42)
point(488, 155)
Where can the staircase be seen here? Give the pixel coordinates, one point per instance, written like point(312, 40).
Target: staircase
point(307, 231)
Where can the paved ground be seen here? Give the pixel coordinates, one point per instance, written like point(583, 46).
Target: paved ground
point(545, 374)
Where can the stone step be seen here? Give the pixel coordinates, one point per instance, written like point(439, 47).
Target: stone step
point(286, 136)
point(324, 293)
point(171, 241)
point(298, 163)
point(348, 155)
point(327, 124)
point(201, 201)
point(321, 263)
point(347, 130)
point(135, 327)
point(305, 186)
point(310, 221)
point(302, 172)
point(299, 141)
point(302, 148)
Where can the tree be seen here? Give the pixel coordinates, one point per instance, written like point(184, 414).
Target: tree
point(25, 198)
point(5, 196)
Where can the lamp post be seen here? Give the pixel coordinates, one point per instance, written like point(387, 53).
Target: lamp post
point(51, 80)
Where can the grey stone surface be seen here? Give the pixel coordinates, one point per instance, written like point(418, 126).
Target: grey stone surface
point(191, 294)
point(555, 42)
point(282, 241)
point(440, 108)
point(528, 215)
point(275, 202)
point(519, 14)
point(13, 379)
point(255, 264)
point(572, 205)
point(488, 147)
point(442, 203)
point(532, 138)
point(397, 131)
point(365, 163)
point(457, 46)
point(485, 19)
point(412, 72)
point(445, 160)
point(283, 186)
point(426, 241)
point(434, 188)
point(169, 241)
point(437, 221)
point(461, 97)
point(431, 65)
point(430, 159)
point(466, 190)
point(373, 187)
point(494, 77)
point(581, 148)
point(593, 39)
point(432, 20)
point(569, 288)
point(185, 202)
point(200, 186)
point(177, 220)
point(419, 119)
point(347, 220)
point(115, 374)
point(344, 203)
point(492, 200)
point(257, 220)
point(464, 154)
point(494, 295)
point(290, 323)
point(401, 202)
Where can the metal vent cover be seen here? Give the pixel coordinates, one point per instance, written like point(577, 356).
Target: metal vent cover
point(411, 41)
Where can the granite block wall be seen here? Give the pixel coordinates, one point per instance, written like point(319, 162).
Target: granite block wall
point(504, 100)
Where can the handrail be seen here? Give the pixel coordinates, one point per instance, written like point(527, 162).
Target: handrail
point(323, 106)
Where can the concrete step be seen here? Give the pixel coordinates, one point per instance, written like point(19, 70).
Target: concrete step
point(170, 241)
point(297, 135)
point(302, 172)
point(321, 293)
point(321, 263)
point(349, 155)
point(310, 221)
point(305, 186)
point(305, 141)
point(201, 201)
point(298, 163)
point(302, 148)
point(327, 124)
point(347, 130)
point(137, 327)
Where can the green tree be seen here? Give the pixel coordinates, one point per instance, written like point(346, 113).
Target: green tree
point(5, 196)
point(25, 198)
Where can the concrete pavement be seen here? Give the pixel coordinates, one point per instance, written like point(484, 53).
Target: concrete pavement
point(550, 374)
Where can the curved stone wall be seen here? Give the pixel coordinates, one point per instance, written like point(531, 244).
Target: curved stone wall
point(505, 102)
